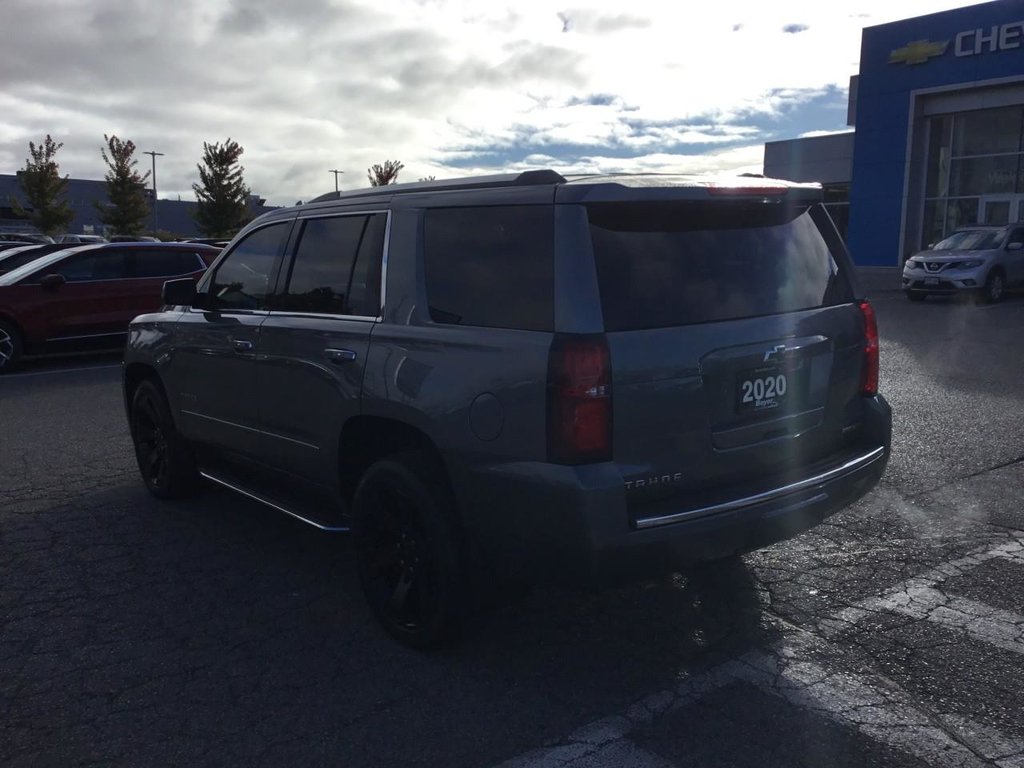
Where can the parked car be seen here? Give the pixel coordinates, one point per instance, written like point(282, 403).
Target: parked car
point(25, 237)
point(84, 239)
point(6, 245)
point(521, 378)
point(980, 260)
point(13, 258)
point(85, 296)
point(219, 242)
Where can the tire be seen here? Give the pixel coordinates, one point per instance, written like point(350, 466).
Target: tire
point(995, 287)
point(10, 347)
point(408, 550)
point(916, 295)
point(164, 458)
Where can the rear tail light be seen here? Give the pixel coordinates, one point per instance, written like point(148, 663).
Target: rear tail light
point(869, 376)
point(579, 400)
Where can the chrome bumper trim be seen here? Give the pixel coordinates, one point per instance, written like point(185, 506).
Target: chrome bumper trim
point(847, 468)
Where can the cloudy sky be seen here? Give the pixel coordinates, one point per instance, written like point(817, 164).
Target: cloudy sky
point(449, 87)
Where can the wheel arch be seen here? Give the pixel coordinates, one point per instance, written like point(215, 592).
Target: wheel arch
point(367, 439)
point(134, 374)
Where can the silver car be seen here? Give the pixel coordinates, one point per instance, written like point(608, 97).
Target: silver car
point(980, 260)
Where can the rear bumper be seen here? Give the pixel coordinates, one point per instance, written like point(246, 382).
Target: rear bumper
point(571, 525)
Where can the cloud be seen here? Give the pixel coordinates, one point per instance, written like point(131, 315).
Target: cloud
point(445, 86)
point(794, 29)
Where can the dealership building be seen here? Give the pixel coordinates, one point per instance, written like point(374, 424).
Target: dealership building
point(938, 111)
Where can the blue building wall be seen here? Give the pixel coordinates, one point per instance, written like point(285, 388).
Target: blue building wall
point(174, 216)
point(884, 109)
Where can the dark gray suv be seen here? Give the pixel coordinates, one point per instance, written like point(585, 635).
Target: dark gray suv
point(521, 378)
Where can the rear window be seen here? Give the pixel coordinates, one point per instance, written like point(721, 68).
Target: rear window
point(667, 264)
point(491, 266)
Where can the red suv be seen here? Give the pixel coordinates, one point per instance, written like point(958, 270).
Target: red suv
point(85, 296)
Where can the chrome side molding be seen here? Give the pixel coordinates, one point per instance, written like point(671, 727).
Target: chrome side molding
point(272, 504)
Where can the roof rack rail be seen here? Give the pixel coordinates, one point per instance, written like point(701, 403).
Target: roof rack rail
point(525, 178)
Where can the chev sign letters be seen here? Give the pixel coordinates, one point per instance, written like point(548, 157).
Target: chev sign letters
point(1004, 38)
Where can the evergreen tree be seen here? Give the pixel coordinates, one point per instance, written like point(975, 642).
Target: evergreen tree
point(222, 194)
point(126, 190)
point(381, 175)
point(44, 189)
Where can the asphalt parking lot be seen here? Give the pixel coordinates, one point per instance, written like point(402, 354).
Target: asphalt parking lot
point(213, 632)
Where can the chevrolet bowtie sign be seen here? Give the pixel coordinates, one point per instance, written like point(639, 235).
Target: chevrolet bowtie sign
point(917, 52)
point(970, 42)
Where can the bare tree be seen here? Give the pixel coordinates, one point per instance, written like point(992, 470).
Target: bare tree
point(381, 175)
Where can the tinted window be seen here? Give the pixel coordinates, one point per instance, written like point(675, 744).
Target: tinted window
point(323, 264)
point(109, 264)
point(491, 266)
point(662, 265)
point(364, 293)
point(153, 262)
point(244, 277)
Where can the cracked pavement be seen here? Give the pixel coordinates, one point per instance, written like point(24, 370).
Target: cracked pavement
point(139, 632)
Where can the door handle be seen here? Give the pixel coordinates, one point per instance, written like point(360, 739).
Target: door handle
point(242, 345)
point(338, 356)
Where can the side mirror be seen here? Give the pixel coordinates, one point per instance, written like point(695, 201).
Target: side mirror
point(180, 292)
point(52, 282)
point(1014, 246)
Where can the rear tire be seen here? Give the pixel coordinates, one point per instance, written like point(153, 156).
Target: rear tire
point(10, 347)
point(408, 550)
point(165, 459)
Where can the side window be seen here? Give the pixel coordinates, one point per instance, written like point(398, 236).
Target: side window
point(92, 265)
point(491, 266)
point(152, 262)
point(364, 294)
point(243, 278)
point(1017, 236)
point(323, 264)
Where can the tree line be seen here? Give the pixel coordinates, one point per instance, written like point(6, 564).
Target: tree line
point(222, 196)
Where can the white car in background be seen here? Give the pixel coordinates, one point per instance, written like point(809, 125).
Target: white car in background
point(978, 260)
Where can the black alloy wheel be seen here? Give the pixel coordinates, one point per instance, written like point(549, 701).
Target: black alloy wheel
point(164, 458)
point(10, 347)
point(406, 551)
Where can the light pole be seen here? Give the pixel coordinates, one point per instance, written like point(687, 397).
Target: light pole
point(335, 178)
point(156, 220)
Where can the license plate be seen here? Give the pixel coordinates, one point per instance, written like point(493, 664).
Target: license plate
point(931, 281)
point(762, 389)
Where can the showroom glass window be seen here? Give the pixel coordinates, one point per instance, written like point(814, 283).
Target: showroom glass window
point(975, 170)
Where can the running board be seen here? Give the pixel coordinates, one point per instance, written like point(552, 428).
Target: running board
point(272, 504)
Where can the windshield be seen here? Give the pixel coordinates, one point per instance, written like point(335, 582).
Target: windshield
point(971, 240)
point(9, 275)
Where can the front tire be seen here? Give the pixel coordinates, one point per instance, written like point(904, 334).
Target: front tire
point(995, 287)
point(10, 347)
point(408, 552)
point(164, 458)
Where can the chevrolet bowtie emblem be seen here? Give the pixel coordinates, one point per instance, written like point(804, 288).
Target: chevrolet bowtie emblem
point(917, 52)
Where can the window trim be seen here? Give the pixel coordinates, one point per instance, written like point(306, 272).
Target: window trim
point(210, 277)
point(290, 257)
